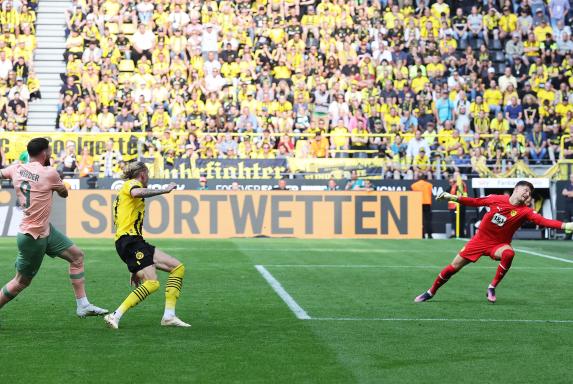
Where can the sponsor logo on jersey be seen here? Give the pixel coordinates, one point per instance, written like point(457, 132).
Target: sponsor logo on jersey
point(513, 213)
point(498, 219)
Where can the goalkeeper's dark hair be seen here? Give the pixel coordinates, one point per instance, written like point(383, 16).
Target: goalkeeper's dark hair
point(37, 145)
point(524, 183)
point(133, 169)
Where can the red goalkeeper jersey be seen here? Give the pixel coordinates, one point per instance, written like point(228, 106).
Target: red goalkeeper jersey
point(504, 218)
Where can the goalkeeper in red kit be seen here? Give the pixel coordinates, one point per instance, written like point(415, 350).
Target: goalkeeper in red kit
point(506, 214)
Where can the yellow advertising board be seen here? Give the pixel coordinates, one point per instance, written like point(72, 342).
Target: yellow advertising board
point(202, 214)
point(14, 143)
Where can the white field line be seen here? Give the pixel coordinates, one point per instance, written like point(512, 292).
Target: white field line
point(283, 294)
point(538, 254)
point(441, 320)
point(373, 266)
point(290, 249)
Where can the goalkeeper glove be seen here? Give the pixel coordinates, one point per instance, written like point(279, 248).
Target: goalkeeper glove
point(568, 227)
point(447, 196)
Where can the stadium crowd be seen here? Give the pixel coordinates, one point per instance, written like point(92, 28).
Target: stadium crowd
point(19, 84)
point(429, 86)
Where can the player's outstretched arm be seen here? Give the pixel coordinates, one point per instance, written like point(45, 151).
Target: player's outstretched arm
point(62, 191)
point(548, 223)
point(469, 201)
point(146, 192)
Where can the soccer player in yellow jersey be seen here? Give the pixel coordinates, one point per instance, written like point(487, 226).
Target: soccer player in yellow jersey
point(143, 259)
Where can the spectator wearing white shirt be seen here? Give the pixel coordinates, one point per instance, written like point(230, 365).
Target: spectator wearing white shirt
point(507, 79)
point(210, 64)
point(5, 65)
point(415, 144)
point(20, 88)
point(214, 82)
point(92, 54)
point(338, 109)
point(178, 19)
point(210, 39)
point(143, 42)
point(144, 11)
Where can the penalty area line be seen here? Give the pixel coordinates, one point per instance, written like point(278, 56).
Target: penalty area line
point(298, 311)
point(440, 320)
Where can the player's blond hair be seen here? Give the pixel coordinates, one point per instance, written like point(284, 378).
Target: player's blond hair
point(132, 170)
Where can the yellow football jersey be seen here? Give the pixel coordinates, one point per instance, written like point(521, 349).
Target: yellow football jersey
point(128, 211)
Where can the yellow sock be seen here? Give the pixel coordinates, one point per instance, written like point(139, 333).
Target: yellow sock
point(137, 296)
point(173, 289)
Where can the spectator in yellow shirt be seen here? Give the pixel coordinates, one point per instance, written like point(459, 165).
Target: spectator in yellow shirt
point(319, 146)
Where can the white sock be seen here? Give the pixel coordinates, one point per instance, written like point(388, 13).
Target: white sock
point(169, 313)
point(491, 286)
point(82, 302)
point(117, 314)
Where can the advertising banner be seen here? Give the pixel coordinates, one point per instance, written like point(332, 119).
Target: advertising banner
point(15, 143)
point(203, 214)
point(336, 168)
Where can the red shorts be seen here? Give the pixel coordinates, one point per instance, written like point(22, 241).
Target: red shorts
point(476, 249)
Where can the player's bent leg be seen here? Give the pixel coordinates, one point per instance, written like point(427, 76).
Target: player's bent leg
point(13, 288)
point(176, 270)
point(446, 273)
point(506, 254)
point(75, 256)
point(150, 285)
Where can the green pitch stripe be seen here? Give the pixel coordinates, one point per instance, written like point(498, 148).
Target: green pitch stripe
point(76, 276)
point(7, 293)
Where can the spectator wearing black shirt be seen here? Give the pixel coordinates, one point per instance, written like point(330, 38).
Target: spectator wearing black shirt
point(70, 88)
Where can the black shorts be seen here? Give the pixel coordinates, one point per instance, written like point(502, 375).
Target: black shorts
point(135, 252)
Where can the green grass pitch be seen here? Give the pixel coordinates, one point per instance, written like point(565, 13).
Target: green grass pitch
point(363, 326)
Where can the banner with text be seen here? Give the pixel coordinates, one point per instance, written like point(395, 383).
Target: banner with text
point(194, 214)
point(337, 168)
point(126, 143)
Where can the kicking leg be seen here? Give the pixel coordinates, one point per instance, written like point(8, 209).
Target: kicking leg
point(75, 256)
point(150, 284)
point(457, 264)
point(176, 271)
point(13, 288)
point(505, 254)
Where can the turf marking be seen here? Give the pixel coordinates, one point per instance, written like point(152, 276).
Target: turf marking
point(373, 266)
point(543, 255)
point(283, 294)
point(440, 320)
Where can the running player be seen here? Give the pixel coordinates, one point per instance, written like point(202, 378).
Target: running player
point(506, 214)
point(143, 259)
point(34, 184)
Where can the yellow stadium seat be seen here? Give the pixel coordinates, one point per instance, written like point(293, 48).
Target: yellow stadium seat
point(126, 66)
point(124, 77)
point(128, 29)
point(113, 28)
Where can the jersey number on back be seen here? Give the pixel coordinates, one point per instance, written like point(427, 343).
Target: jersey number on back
point(498, 219)
point(25, 189)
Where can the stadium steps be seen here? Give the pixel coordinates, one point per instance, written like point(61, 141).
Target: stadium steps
point(49, 64)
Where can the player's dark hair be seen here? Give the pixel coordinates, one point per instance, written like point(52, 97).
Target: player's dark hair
point(524, 183)
point(133, 169)
point(37, 145)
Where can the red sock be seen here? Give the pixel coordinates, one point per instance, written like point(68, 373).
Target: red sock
point(503, 267)
point(442, 278)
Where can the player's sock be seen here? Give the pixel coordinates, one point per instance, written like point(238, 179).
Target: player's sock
point(442, 278)
point(137, 296)
point(503, 267)
point(10, 291)
point(77, 279)
point(173, 290)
